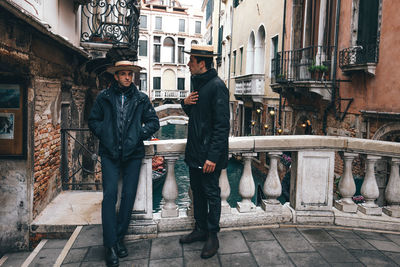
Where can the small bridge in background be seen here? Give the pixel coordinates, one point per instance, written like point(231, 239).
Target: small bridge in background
point(171, 114)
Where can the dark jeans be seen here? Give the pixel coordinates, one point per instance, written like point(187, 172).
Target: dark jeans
point(115, 226)
point(206, 199)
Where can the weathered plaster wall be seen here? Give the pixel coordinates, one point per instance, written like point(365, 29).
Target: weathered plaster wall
point(379, 92)
point(14, 209)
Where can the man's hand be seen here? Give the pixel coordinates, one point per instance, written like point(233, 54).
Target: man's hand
point(208, 167)
point(192, 98)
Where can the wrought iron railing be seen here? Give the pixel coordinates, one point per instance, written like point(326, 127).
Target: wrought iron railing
point(306, 64)
point(80, 165)
point(358, 55)
point(112, 22)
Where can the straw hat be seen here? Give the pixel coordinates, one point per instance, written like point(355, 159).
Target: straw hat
point(123, 65)
point(201, 51)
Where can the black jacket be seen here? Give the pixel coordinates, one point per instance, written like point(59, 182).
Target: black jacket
point(141, 122)
point(208, 128)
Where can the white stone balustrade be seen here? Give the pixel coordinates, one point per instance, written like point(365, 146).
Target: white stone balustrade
point(246, 185)
point(272, 186)
point(392, 191)
point(311, 194)
point(225, 192)
point(170, 190)
point(347, 186)
point(369, 189)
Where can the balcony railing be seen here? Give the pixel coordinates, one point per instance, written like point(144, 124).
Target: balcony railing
point(251, 85)
point(170, 94)
point(111, 22)
point(358, 57)
point(314, 160)
point(305, 64)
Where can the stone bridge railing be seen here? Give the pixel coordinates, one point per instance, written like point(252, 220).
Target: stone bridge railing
point(311, 186)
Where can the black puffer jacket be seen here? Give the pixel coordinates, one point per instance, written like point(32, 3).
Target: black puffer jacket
point(208, 129)
point(141, 122)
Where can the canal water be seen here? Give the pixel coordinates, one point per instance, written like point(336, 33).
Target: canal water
point(235, 169)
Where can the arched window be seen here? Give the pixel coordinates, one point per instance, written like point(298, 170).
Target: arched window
point(250, 55)
point(259, 51)
point(168, 53)
point(169, 80)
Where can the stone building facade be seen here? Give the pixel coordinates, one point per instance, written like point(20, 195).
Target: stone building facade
point(337, 71)
point(167, 28)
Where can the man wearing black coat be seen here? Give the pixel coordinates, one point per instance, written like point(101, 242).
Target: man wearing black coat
point(207, 146)
point(122, 117)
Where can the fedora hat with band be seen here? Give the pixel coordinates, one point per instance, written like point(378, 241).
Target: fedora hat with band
point(123, 65)
point(201, 51)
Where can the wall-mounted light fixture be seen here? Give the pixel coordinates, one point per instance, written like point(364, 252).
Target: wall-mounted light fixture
point(265, 126)
point(303, 125)
point(253, 123)
point(272, 112)
point(258, 110)
point(280, 130)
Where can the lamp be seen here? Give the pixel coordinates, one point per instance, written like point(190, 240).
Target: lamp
point(279, 131)
point(272, 112)
point(265, 126)
point(253, 123)
point(303, 125)
point(258, 110)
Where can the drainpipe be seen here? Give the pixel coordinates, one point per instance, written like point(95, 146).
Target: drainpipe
point(334, 66)
point(282, 49)
point(230, 48)
point(219, 37)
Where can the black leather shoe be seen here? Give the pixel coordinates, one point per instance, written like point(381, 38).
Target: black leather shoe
point(210, 247)
point(194, 236)
point(111, 257)
point(121, 249)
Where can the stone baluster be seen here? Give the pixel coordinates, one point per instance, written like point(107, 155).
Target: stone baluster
point(369, 189)
point(170, 190)
point(272, 185)
point(347, 186)
point(392, 191)
point(225, 192)
point(246, 185)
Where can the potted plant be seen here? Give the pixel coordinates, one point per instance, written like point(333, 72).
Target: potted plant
point(319, 70)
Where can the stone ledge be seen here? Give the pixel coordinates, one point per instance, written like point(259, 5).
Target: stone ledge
point(360, 220)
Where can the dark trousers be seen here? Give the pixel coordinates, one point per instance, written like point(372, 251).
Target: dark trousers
point(206, 199)
point(115, 225)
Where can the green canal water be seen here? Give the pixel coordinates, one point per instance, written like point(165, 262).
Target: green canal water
point(235, 169)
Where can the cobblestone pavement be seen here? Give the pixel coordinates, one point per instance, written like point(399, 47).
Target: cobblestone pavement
point(285, 246)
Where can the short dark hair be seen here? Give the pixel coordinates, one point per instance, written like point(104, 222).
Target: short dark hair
point(208, 61)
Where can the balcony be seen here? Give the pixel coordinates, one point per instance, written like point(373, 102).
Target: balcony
point(170, 94)
point(359, 58)
point(305, 70)
point(250, 85)
point(107, 25)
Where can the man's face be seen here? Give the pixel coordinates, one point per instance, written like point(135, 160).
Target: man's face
point(124, 77)
point(195, 67)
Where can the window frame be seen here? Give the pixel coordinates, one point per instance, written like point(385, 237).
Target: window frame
point(158, 20)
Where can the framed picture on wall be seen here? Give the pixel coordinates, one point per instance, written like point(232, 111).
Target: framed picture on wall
point(9, 96)
point(12, 121)
point(7, 125)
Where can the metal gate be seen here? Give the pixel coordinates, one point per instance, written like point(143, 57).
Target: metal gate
point(80, 164)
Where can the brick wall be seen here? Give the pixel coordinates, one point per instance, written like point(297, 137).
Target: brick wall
point(47, 143)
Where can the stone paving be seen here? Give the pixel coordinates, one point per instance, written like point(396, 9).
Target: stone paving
point(285, 246)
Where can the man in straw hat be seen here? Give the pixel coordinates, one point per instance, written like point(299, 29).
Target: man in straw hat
point(121, 117)
point(207, 146)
